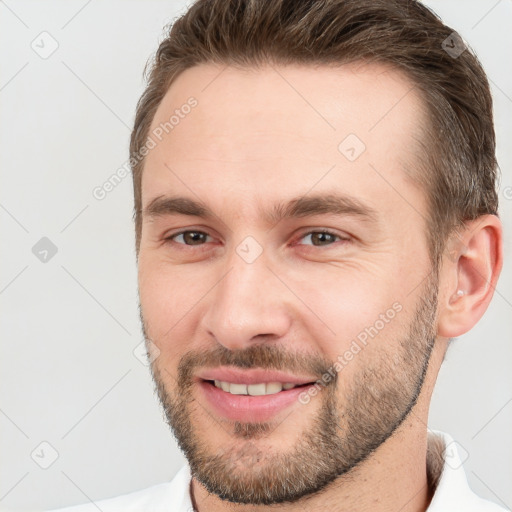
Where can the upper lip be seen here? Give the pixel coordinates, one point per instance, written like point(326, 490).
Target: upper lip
point(252, 376)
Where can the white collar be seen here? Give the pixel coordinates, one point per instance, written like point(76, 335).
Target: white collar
point(453, 493)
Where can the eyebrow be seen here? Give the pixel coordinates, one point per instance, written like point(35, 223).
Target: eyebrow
point(302, 206)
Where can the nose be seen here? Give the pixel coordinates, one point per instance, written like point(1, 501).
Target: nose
point(248, 305)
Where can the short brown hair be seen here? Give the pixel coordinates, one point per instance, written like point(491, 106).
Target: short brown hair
point(458, 163)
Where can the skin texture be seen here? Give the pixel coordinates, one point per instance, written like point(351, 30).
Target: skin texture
point(255, 138)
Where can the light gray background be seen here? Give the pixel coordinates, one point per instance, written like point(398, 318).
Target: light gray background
point(69, 326)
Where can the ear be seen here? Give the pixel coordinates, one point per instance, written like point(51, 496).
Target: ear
point(471, 266)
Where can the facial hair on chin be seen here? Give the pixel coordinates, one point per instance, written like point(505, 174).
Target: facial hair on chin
point(342, 434)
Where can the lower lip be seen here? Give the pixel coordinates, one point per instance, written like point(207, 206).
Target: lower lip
point(249, 408)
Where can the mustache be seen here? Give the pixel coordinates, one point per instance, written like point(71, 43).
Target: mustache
point(263, 356)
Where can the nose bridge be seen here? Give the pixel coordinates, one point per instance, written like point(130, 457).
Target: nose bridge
point(247, 302)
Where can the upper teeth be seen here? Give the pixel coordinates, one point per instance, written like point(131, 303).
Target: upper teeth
point(268, 388)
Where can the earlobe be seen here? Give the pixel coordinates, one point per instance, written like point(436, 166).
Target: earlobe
point(470, 275)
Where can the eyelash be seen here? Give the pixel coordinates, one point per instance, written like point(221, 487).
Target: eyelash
point(170, 238)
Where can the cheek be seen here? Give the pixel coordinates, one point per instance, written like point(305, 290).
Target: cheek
point(369, 325)
point(332, 306)
point(348, 306)
point(169, 302)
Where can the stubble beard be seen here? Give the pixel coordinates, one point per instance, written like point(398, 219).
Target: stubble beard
point(341, 434)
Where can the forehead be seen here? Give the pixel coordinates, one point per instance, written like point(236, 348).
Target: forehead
point(265, 131)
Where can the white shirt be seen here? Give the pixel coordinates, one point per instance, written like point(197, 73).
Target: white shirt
point(452, 493)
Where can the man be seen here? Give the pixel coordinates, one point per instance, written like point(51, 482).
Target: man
point(316, 218)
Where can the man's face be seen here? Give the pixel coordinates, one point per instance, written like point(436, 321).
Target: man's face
point(241, 295)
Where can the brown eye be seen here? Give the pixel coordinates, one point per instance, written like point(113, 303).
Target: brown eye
point(321, 238)
point(189, 237)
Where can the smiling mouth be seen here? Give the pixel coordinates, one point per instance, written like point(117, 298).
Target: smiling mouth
point(259, 389)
